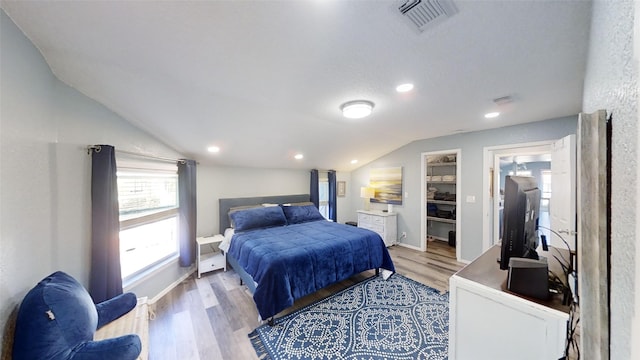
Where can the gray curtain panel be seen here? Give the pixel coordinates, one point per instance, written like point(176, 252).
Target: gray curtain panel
point(314, 191)
point(105, 279)
point(187, 211)
point(333, 196)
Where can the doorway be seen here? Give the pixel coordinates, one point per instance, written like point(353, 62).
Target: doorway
point(441, 203)
point(532, 164)
point(528, 159)
point(553, 164)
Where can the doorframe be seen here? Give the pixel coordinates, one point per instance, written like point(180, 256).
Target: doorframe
point(423, 198)
point(490, 180)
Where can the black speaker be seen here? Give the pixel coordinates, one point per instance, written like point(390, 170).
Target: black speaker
point(529, 277)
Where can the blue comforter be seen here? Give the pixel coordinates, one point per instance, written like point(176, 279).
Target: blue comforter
point(288, 262)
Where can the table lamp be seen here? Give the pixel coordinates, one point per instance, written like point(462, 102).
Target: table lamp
point(367, 193)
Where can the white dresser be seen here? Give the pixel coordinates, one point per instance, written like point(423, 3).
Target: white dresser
point(384, 223)
point(487, 321)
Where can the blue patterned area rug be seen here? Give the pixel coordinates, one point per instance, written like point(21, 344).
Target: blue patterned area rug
point(375, 319)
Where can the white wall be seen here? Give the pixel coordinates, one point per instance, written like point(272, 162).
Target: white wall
point(218, 182)
point(472, 145)
point(611, 83)
point(215, 183)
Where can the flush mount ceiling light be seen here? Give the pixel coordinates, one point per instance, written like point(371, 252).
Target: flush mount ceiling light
point(356, 109)
point(213, 149)
point(404, 87)
point(298, 157)
point(492, 115)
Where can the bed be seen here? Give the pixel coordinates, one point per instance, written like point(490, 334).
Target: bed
point(283, 249)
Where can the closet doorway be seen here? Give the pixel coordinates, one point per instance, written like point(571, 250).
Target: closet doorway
point(441, 191)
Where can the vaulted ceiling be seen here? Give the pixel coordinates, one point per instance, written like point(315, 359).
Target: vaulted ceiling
point(264, 80)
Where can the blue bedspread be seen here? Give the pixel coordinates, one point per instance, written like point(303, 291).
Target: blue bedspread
point(288, 262)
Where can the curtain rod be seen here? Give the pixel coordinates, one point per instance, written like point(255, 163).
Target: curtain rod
point(97, 148)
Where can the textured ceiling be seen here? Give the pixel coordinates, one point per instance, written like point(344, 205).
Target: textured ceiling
point(264, 80)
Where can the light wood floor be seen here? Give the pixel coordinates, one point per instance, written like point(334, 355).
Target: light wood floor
point(210, 317)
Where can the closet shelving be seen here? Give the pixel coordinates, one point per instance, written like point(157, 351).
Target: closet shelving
point(441, 184)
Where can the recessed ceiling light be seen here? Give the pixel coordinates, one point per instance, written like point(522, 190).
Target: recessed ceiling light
point(354, 161)
point(404, 87)
point(298, 156)
point(491, 115)
point(356, 109)
point(213, 149)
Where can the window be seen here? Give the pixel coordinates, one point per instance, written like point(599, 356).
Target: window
point(148, 203)
point(521, 173)
point(323, 190)
point(546, 188)
point(546, 183)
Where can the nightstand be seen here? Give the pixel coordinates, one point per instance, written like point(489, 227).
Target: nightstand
point(210, 261)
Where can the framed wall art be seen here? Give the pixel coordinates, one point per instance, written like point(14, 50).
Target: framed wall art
point(341, 188)
point(387, 183)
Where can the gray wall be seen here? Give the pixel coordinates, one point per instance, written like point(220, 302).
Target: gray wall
point(472, 145)
point(45, 170)
point(611, 83)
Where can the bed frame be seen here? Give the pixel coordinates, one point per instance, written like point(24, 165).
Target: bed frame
point(226, 204)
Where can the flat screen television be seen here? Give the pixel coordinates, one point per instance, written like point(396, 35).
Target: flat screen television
point(520, 214)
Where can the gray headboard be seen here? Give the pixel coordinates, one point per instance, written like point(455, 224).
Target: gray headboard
point(226, 204)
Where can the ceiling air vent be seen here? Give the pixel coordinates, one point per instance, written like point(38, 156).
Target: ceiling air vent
point(427, 13)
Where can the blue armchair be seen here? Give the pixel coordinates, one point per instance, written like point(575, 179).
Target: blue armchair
point(57, 320)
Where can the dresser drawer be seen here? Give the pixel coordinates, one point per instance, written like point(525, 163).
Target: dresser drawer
point(364, 219)
point(382, 223)
point(373, 227)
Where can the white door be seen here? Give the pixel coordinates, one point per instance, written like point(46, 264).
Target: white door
point(562, 205)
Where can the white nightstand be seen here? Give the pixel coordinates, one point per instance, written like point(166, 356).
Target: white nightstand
point(210, 261)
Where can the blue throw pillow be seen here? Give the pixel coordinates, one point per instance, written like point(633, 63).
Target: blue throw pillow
point(256, 218)
point(301, 214)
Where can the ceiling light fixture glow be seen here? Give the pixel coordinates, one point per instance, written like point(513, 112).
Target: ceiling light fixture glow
point(404, 87)
point(491, 115)
point(356, 109)
point(299, 156)
point(354, 161)
point(213, 149)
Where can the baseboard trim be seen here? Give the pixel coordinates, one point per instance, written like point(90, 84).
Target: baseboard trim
point(166, 290)
point(410, 246)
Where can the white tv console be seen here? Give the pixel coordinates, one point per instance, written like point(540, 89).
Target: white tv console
point(487, 321)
